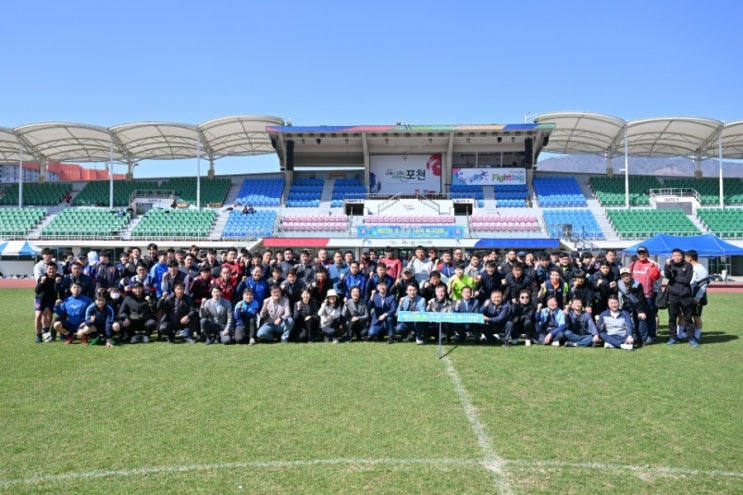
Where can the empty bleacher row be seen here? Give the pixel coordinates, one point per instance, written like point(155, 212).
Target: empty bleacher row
point(508, 223)
point(610, 191)
point(35, 193)
point(175, 223)
point(16, 222)
point(86, 222)
point(213, 191)
point(581, 221)
point(305, 193)
point(466, 191)
point(317, 223)
point(344, 189)
point(709, 189)
point(406, 219)
point(98, 192)
point(240, 225)
point(558, 192)
point(726, 223)
point(260, 192)
point(647, 222)
point(510, 195)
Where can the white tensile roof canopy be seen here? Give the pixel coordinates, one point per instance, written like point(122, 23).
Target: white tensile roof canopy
point(241, 135)
point(592, 133)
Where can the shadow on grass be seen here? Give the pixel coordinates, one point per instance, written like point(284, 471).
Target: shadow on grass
point(707, 338)
point(717, 337)
point(449, 351)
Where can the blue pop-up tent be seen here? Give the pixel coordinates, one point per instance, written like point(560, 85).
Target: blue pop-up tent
point(707, 245)
point(18, 248)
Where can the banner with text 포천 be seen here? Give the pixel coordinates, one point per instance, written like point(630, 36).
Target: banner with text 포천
point(408, 174)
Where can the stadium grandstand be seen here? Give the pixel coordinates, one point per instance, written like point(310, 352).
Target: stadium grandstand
point(370, 186)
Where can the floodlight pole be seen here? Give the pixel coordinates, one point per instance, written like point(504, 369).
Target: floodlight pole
point(626, 170)
point(722, 191)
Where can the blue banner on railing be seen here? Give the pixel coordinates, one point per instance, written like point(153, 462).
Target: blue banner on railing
point(419, 231)
point(433, 317)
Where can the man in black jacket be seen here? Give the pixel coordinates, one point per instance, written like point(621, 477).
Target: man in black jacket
point(679, 273)
point(137, 315)
point(178, 313)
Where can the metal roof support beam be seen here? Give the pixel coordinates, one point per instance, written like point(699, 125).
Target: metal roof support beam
point(198, 172)
point(446, 173)
point(111, 173)
point(365, 148)
point(20, 176)
point(626, 169)
point(722, 192)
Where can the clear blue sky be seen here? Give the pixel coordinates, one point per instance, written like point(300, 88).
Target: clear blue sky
point(342, 63)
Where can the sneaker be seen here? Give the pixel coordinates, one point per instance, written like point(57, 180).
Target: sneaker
point(571, 344)
point(627, 347)
point(694, 342)
point(145, 339)
point(39, 339)
point(335, 341)
point(251, 341)
point(515, 342)
point(94, 341)
point(608, 346)
point(190, 341)
point(390, 340)
point(70, 339)
point(555, 343)
point(47, 336)
point(419, 341)
point(506, 343)
point(284, 341)
point(170, 339)
point(133, 340)
point(648, 341)
point(184, 334)
point(209, 341)
point(84, 340)
point(671, 341)
point(527, 342)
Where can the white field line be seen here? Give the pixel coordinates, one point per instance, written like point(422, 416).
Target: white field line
point(622, 467)
point(492, 462)
point(227, 465)
point(361, 462)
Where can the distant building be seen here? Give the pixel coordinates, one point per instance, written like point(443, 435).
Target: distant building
point(56, 171)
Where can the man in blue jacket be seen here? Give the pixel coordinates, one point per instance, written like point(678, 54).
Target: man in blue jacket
point(550, 325)
point(382, 307)
point(71, 313)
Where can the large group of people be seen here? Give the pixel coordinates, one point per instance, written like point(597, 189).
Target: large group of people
point(237, 297)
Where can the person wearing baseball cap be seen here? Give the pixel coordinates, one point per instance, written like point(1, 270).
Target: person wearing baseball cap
point(647, 272)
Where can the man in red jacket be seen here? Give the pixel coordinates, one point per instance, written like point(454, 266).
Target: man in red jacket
point(646, 271)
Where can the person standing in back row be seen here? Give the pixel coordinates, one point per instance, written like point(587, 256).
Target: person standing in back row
point(680, 304)
point(646, 271)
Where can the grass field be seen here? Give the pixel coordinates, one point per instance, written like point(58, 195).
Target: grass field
point(323, 418)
